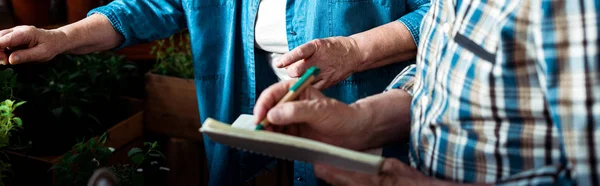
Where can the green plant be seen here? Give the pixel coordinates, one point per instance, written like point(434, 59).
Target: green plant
point(8, 80)
point(8, 123)
point(131, 174)
point(174, 58)
point(78, 165)
point(77, 82)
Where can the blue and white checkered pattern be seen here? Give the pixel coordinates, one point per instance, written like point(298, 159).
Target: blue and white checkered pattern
point(507, 92)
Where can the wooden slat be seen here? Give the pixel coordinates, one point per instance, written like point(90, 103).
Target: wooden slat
point(187, 162)
point(172, 107)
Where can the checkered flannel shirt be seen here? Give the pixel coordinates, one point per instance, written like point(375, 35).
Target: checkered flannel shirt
point(507, 92)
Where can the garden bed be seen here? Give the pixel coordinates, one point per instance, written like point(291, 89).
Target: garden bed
point(124, 134)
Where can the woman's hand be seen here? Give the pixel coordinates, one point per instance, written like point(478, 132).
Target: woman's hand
point(30, 44)
point(337, 57)
point(315, 117)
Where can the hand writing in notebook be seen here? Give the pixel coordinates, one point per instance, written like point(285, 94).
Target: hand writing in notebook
point(313, 116)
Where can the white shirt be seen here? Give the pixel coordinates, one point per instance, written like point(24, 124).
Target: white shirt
point(270, 32)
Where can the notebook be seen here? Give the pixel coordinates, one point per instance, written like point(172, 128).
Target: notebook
point(242, 135)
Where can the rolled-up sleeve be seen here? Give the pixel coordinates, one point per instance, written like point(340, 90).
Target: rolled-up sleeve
point(141, 21)
point(405, 80)
point(412, 20)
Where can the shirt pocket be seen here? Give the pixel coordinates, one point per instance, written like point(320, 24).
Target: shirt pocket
point(347, 17)
point(479, 28)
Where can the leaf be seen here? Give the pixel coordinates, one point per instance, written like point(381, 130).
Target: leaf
point(134, 151)
point(57, 111)
point(137, 159)
point(19, 104)
point(18, 121)
point(76, 110)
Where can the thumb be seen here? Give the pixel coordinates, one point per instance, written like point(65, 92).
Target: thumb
point(306, 111)
point(38, 53)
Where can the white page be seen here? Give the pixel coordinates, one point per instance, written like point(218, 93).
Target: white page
point(246, 121)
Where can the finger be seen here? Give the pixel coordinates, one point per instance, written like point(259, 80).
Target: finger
point(297, 69)
point(393, 166)
point(38, 53)
point(320, 84)
point(302, 52)
point(336, 176)
point(14, 39)
point(3, 58)
point(269, 97)
point(305, 111)
point(4, 32)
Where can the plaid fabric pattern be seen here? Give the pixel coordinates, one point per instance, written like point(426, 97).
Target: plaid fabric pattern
point(507, 92)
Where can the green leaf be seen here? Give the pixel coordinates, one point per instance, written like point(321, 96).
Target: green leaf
point(76, 110)
point(19, 104)
point(137, 159)
point(57, 111)
point(18, 121)
point(134, 151)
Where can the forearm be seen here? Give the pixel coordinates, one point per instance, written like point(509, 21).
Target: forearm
point(387, 116)
point(384, 45)
point(94, 33)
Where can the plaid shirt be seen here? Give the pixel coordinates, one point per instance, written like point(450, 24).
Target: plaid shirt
point(507, 92)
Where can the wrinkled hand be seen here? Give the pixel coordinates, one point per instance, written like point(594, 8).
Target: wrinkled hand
point(393, 172)
point(314, 116)
point(30, 44)
point(337, 57)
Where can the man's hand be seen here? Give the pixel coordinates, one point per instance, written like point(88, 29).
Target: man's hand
point(314, 116)
point(393, 172)
point(337, 57)
point(30, 44)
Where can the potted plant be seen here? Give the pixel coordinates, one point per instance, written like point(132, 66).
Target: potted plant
point(74, 98)
point(78, 165)
point(8, 123)
point(32, 12)
point(171, 92)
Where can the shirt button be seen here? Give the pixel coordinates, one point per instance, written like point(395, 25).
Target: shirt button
point(446, 28)
point(293, 33)
point(299, 178)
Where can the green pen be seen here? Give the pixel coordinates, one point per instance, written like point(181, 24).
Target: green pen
point(306, 80)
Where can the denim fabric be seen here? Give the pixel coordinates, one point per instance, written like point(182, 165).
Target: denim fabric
point(230, 73)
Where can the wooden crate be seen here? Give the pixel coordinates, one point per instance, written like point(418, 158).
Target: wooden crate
point(172, 107)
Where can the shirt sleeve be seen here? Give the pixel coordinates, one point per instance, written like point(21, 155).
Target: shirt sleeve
point(412, 20)
point(568, 69)
point(141, 21)
point(405, 80)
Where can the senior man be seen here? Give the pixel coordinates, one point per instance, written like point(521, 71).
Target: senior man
point(504, 92)
point(242, 46)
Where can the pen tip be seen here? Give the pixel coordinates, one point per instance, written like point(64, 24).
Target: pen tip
point(259, 127)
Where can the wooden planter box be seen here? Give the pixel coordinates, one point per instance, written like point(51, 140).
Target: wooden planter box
point(123, 136)
point(172, 107)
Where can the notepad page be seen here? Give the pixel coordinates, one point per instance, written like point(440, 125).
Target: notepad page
point(246, 121)
point(290, 147)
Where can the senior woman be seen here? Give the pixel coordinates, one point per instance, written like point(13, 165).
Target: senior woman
point(241, 47)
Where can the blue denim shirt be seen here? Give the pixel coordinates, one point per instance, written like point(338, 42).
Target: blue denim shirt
point(230, 73)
